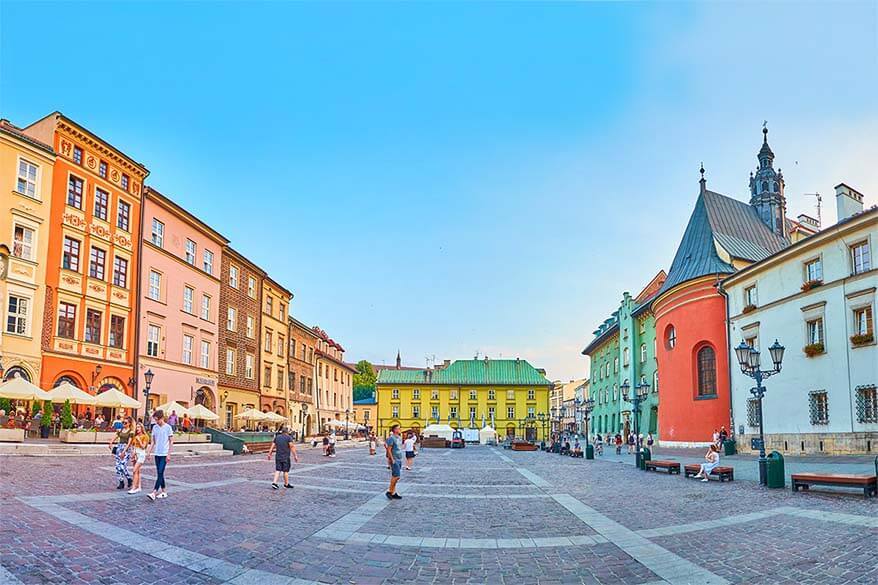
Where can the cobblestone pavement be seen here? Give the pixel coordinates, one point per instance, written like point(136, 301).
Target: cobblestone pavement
point(477, 515)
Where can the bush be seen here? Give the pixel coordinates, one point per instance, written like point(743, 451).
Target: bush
point(46, 421)
point(35, 408)
point(6, 404)
point(67, 421)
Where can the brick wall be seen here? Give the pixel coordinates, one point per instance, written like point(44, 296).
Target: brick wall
point(238, 340)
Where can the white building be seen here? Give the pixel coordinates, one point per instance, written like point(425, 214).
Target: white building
point(818, 298)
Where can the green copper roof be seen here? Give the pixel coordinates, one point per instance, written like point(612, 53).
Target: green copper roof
point(470, 373)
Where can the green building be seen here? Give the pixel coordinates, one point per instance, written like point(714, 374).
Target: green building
point(622, 352)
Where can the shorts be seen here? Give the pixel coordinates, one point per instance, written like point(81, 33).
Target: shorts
point(396, 469)
point(409, 454)
point(140, 456)
point(281, 465)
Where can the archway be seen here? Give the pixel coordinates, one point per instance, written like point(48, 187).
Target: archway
point(16, 372)
point(109, 384)
point(204, 397)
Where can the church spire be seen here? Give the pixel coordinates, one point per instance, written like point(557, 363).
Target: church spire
point(398, 360)
point(702, 182)
point(766, 189)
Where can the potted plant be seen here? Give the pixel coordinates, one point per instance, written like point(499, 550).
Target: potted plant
point(67, 421)
point(748, 309)
point(862, 339)
point(811, 284)
point(46, 420)
point(813, 349)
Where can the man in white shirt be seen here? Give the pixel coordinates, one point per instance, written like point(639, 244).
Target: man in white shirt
point(160, 446)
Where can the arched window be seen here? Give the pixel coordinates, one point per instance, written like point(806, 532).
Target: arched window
point(764, 186)
point(706, 362)
point(642, 353)
point(67, 379)
point(16, 372)
point(670, 337)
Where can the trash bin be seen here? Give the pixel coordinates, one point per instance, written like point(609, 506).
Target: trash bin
point(774, 472)
point(729, 447)
point(589, 451)
point(645, 455)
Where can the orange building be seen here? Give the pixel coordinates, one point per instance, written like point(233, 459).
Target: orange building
point(88, 335)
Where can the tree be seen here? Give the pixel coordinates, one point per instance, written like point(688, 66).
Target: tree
point(46, 421)
point(67, 416)
point(364, 380)
point(35, 408)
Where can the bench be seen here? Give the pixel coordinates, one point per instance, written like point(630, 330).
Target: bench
point(867, 483)
point(260, 447)
point(724, 473)
point(670, 466)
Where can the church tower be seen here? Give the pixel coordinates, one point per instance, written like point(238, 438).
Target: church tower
point(766, 190)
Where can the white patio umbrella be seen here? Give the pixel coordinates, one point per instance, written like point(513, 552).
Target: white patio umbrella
point(251, 414)
point(20, 389)
point(67, 391)
point(113, 398)
point(199, 411)
point(274, 417)
point(173, 406)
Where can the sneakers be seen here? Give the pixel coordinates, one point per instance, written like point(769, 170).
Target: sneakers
point(151, 496)
point(704, 480)
point(286, 485)
point(274, 486)
point(389, 495)
point(395, 497)
point(121, 485)
point(162, 495)
point(134, 491)
point(130, 481)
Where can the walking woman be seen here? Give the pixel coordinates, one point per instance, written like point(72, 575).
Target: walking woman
point(138, 443)
point(120, 454)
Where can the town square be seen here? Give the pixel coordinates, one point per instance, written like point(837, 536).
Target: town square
point(485, 292)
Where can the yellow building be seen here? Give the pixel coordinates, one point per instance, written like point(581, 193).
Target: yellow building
point(275, 329)
point(510, 395)
point(26, 166)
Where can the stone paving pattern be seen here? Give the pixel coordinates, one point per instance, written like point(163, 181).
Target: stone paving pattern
point(223, 523)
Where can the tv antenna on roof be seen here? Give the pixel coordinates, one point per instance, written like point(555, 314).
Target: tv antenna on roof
point(819, 201)
point(477, 355)
point(431, 360)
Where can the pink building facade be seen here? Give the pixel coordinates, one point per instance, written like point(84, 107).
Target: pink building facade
point(179, 305)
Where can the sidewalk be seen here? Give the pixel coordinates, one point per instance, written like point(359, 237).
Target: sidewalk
point(747, 467)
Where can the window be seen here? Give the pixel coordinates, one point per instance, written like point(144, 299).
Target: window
point(280, 344)
point(814, 270)
point(292, 348)
point(188, 342)
point(706, 371)
point(492, 395)
point(155, 285)
point(510, 395)
point(266, 376)
point(615, 366)
point(473, 395)
point(207, 259)
point(205, 307)
point(267, 344)
point(615, 392)
point(655, 381)
point(452, 412)
point(70, 259)
point(153, 336)
point(510, 412)
point(233, 276)
point(753, 412)
point(251, 287)
point(158, 233)
point(531, 394)
point(125, 181)
point(434, 412)
point(230, 361)
point(861, 259)
point(251, 325)
point(416, 394)
point(190, 252)
point(102, 169)
point(117, 331)
point(818, 407)
point(77, 155)
point(123, 215)
point(282, 312)
point(863, 321)
point(27, 178)
point(394, 411)
point(120, 272)
point(815, 330)
point(269, 304)
point(642, 353)
point(74, 192)
point(23, 242)
point(97, 263)
point(867, 404)
point(750, 296)
point(93, 326)
point(491, 411)
point(280, 378)
point(232, 319)
point(626, 356)
point(416, 411)
point(670, 337)
point(531, 411)
point(205, 354)
point(472, 412)
point(248, 366)
point(188, 296)
point(394, 394)
point(453, 395)
point(16, 317)
point(102, 200)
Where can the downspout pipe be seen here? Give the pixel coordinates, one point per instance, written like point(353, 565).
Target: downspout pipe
point(136, 305)
point(724, 293)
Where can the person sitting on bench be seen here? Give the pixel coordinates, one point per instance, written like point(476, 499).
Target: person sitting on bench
point(577, 449)
point(711, 461)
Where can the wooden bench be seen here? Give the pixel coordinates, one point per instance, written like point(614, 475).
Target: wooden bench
point(523, 446)
point(868, 483)
point(260, 447)
point(724, 473)
point(670, 466)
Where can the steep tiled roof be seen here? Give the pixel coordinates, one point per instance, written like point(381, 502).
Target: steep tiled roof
point(470, 372)
point(733, 225)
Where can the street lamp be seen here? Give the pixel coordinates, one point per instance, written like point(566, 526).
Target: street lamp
point(635, 398)
point(542, 417)
point(585, 410)
point(347, 413)
point(748, 359)
point(148, 376)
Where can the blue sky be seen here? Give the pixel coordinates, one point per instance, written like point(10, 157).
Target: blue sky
point(447, 177)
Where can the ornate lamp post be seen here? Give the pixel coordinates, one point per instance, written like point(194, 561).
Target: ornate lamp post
point(635, 398)
point(542, 417)
point(748, 359)
point(347, 414)
point(584, 410)
point(148, 376)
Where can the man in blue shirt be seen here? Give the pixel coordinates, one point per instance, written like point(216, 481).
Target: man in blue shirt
point(393, 446)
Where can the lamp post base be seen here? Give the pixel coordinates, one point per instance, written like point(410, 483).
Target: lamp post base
point(763, 467)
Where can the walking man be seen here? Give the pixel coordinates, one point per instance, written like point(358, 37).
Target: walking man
point(393, 446)
point(281, 447)
point(162, 439)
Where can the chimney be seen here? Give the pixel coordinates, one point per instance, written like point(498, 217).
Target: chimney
point(808, 221)
point(848, 201)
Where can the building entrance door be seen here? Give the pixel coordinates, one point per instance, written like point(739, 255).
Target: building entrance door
point(530, 434)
